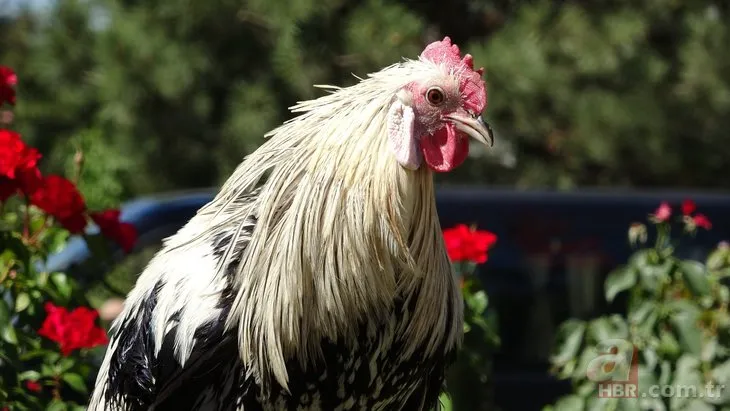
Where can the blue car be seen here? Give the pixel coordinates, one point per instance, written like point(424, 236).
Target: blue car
point(553, 253)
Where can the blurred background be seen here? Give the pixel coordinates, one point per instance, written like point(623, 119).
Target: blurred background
point(171, 94)
point(596, 105)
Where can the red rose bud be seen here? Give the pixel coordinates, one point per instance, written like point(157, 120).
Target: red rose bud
point(33, 386)
point(8, 79)
point(662, 213)
point(637, 234)
point(688, 207)
point(465, 244)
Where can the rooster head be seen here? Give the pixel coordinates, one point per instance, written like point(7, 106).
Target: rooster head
point(433, 117)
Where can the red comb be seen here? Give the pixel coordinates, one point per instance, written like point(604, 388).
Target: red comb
point(472, 85)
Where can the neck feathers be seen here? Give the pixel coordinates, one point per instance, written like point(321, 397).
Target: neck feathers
point(342, 230)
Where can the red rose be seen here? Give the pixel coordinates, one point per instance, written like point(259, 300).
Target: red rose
point(464, 244)
point(663, 213)
point(73, 330)
point(7, 81)
point(18, 165)
point(123, 234)
point(688, 207)
point(693, 221)
point(701, 220)
point(27, 182)
point(60, 198)
point(33, 386)
point(15, 155)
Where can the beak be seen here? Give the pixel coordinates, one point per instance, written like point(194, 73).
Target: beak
point(475, 127)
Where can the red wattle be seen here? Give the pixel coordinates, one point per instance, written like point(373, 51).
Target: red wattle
point(445, 150)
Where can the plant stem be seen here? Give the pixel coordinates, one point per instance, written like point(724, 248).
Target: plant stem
point(56, 388)
point(78, 165)
point(662, 235)
point(26, 219)
point(34, 238)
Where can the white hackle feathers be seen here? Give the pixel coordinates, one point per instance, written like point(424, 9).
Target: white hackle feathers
point(341, 230)
point(375, 233)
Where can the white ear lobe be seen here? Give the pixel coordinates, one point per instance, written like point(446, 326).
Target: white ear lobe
point(400, 135)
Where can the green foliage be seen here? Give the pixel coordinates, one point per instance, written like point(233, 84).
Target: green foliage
point(49, 337)
point(25, 286)
point(590, 91)
point(468, 382)
point(676, 319)
point(580, 93)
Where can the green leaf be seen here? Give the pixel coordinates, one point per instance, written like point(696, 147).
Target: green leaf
point(64, 364)
point(22, 302)
point(647, 379)
point(652, 277)
point(651, 359)
point(445, 401)
point(721, 373)
point(48, 371)
point(644, 317)
point(584, 360)
point(665, 373)
point(620, 279)
point(29, 375)
point(709, 349)
point(587, 388)
point(695, 277)
point(641, 311)
point(570, 403)
point(695, 404)
point(689, 336)
point(568, 369)
point(668, 344)
point(717, 393)
point(608, 328)
point(717, 259)
point(7, 331)
point(634, 404)
point(12, 242)
point(601, 403)
point(478, 302)
point(571, 334)
point(687, 375)
point(723, 295)
point(4, 314)
point(60, 280)
point(56, 239)
point(76, 382)
point(57, 405)
point(682, 305)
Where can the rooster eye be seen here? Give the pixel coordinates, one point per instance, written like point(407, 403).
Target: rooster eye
point(435, 96)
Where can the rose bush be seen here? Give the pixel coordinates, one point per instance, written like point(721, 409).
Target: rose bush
point(468, 384)
point(675, 326)
point(48, 332)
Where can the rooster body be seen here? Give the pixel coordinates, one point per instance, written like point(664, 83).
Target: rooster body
point(317, 278)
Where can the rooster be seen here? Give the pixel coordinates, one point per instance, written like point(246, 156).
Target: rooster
point(317, 278)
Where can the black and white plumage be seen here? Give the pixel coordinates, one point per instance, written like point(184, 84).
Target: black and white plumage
point(317, 278)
